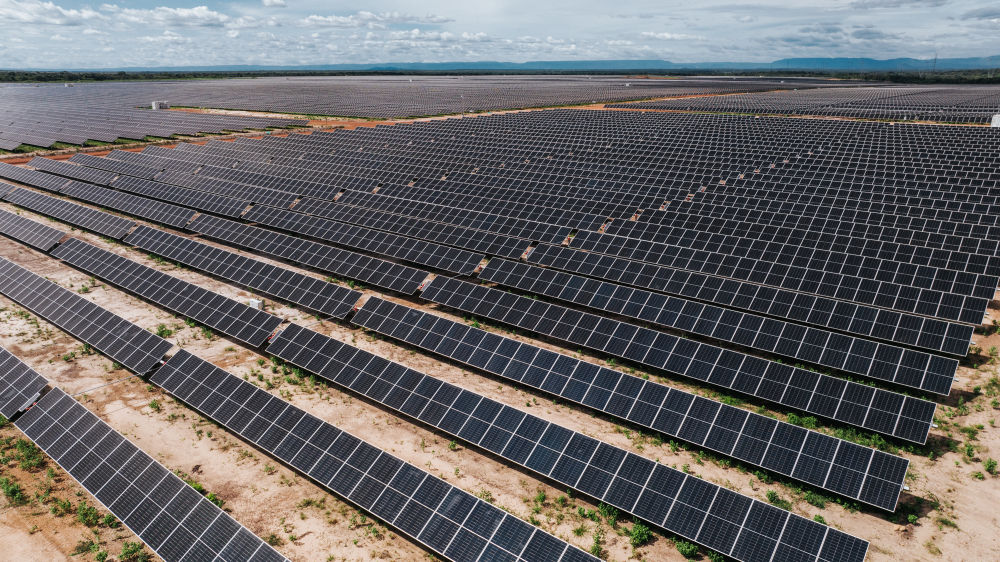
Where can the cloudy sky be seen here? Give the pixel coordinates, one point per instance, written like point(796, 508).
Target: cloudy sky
point(75, 34)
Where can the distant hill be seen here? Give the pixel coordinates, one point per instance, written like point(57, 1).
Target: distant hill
point(797, 64)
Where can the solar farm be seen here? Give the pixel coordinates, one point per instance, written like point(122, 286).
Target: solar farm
point(576, 318)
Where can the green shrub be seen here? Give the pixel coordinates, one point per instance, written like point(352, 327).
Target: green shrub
point(686, 549)
point(133, 552)
point(13, 491)
point(777, 501)
point(87, 514)
point(639, 534)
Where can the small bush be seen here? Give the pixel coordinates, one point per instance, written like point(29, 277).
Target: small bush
point(777, 501)
point(991, 466)
point(87, 514)
point(819, 519)
point(133, 552)
point(639, 534)
point(163, 331)
point(686, 549)
point(12, 490)
point(609, 513)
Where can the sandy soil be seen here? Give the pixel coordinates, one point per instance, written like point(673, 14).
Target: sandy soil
point(955, 519)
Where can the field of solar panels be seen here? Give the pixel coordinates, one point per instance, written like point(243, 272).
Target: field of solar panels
point(651, 332)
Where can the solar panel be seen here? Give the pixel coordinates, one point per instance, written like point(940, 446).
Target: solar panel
point(122, 341)
point(169, 516)
point(31, 177)
point(958, 299)
point(225, 315)
point(118, 167)
point(445, 519)
point(20, 385)
point(158, 211)
point(383, 243)
point(823, 395)
point(218, 204)
point(67, 211)
point(633, 484)
point(808, 456)
point(377, 272)
point(32, 233)
point(71, 171)
point(905, 367)
point(449, 234)
point(878, 323)
point(314, 294)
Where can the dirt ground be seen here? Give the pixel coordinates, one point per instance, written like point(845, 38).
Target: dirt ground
point(954, 511)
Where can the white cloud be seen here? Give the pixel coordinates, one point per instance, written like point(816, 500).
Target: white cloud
point(167, 37)
point(274, 3)
point(666, 36)
point(35, 11)
point(369, 19)
point(199, 16)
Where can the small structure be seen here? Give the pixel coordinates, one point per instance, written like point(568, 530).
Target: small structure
point(255, 303)
point(160, 105)
point(996, 121)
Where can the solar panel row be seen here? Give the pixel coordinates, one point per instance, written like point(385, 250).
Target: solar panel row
point(122, 341)
point(32, 233)
point(865, 321)
point(870, 476)
point(894, 364)
point(222, 314)
point(856, 404)
point(84, 217)
point(313, 294)
point(732, 524)
point(20, 385)
point(447, 520)
point(377, 272)
point(172, 518)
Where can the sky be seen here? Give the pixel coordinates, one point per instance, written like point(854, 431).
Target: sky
point(70, 34)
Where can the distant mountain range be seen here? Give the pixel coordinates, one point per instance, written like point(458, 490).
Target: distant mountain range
point(797, 64)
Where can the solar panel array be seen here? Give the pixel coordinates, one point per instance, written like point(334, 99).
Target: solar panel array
point(312, 293)
point(842, 467)
point(894, 364)
point(35, 234)
point(849, 402)
point(701, 245)
point(445, 519)
point(945, 103)
point(43, 115)
point(67, 211)
point(105, 111)
point(20, 385)
point(122, 341)
point(172, 518)
point(353, 265)
point(211, 309)
point(737, 526)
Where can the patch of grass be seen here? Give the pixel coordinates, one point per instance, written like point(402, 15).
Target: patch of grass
point(133, 552)
point(163, 331)
point(819, 519)
point(12, 490)
point(87, 514)
point(777, 501)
